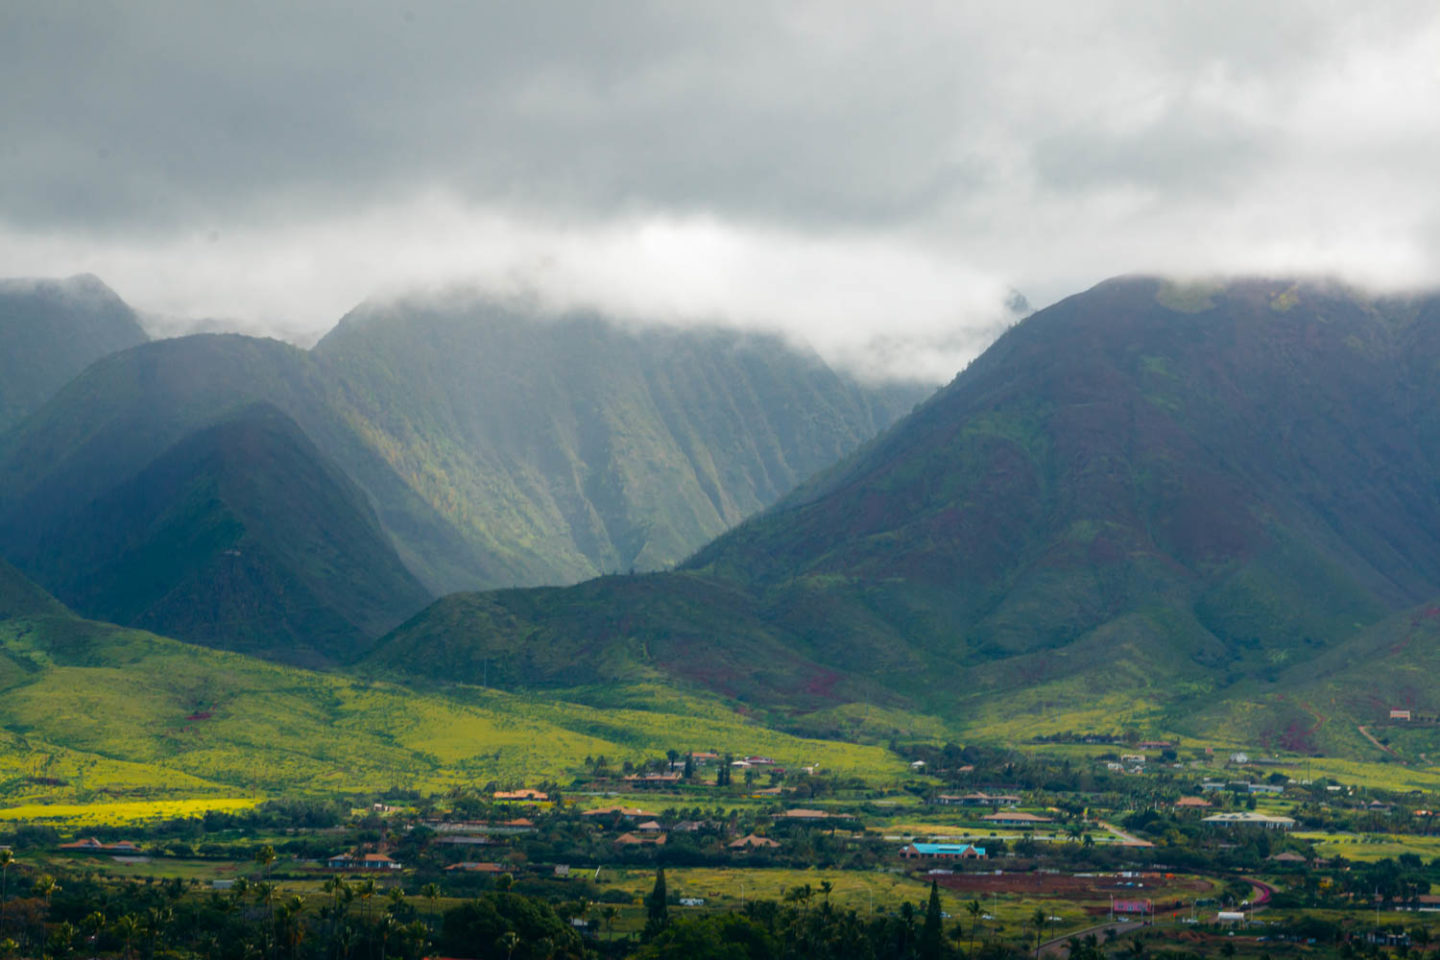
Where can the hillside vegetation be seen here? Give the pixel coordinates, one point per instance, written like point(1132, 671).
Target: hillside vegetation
point(1142, 499)
point(91, 711)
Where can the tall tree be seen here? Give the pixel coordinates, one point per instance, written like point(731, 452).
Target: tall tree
point(6, 858)
point(656, 909)
point(932, 938)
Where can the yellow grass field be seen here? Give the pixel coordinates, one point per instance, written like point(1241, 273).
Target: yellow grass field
point(81, 815)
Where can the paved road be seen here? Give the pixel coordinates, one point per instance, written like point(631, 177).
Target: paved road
point(1059, 948)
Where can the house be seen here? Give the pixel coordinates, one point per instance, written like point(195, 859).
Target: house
point(751, 842)
point(1246, 818)
point(1239, 758)
point(635, 840)
point(694, 826)
point(1132, 758)
point(942, 851)
point(1289, 856)
point(1192, 803)
point(1269, 788)
point(91, 845)
point(1212, 785)
point(470, 866)
point(807, 816)
point(1399, 714)
point(524, 796)
point(653, 779)
point(624, 813)
point(1016, 818)
point(650, 827)
point(364, 861)
point(466, 841)
point(978, 799)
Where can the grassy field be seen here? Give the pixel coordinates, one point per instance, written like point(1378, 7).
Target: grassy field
point(94, 714)
point(1372, 847)
point(81, 815)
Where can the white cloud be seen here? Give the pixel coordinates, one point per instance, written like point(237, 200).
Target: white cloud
point(871, 178)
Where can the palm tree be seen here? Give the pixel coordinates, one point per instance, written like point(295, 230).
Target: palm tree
point(973, 908)
point(1039, 918)
point(415, 934)
point(45, 886)
point(265, 856)
point(7, 857)
point(608, 915)
point(509, 940)
point(126, 928)
point(366, 890)
point(825, 888)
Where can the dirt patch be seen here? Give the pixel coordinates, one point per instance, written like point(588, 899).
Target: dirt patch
point(1164, 889)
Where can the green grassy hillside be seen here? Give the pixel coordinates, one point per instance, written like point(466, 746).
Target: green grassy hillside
point(90, 711)
point(50, 330)
point(1143, 498)
point(240, 536)
point(1340, 702)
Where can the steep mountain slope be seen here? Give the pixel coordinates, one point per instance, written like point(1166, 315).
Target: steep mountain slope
point(240, 536)
point(129, 408)
point(50, 330)
point(1142, 493)
point(496, 449)
point(21, 597)
point(563, 447)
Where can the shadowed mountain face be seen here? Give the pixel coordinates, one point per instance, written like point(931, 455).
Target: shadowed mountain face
point(568, 447)
point(50, 330)
point(242, 536)
point(1144, 490)
point(490, 448)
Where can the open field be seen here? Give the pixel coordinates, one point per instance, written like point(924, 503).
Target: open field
point(1372, 847)
point(99, 713)
point(81, 815)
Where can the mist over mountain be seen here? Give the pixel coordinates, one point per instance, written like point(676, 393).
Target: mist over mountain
point(486, 446)
point(565, 447)
point(1145, 491)
point(50, 330)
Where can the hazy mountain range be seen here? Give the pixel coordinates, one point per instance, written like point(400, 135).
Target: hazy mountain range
point(1207, 507)
point(420, 448)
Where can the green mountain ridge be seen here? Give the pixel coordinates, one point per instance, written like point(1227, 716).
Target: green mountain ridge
point(493, 447)
point(50, 330)
point(1137, 499)
point(241, 536)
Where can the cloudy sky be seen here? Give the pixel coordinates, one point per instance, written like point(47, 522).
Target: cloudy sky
point(874, 178)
